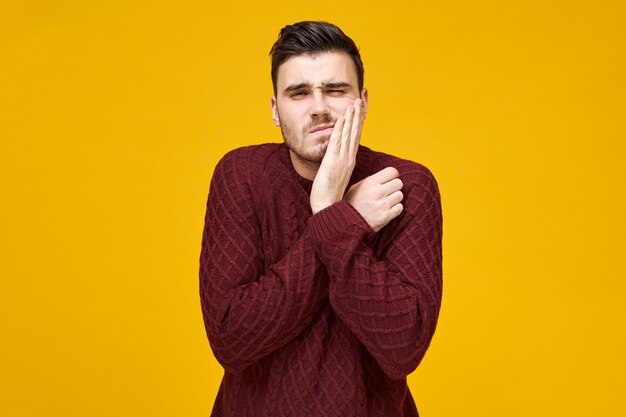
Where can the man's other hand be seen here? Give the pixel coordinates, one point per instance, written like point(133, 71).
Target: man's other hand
point(378, 197)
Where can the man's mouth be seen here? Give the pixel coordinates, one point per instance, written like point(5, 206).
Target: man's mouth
point(321, 127)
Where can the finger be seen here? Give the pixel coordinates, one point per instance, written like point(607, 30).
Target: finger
point(335, 137)
point(395, 211)
point(357, 124)
point(392, 186)
point(395, 198)
point(347, 129)
point(385, 175)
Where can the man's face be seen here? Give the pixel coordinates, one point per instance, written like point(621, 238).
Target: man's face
point(312, 91)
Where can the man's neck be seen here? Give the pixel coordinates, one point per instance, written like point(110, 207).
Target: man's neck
point(304, 168)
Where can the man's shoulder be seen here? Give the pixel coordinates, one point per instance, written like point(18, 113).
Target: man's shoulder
point(249, 160)
point(251, 153)
point(239, 174)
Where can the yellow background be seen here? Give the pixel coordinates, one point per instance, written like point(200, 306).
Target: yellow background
point(114, 113)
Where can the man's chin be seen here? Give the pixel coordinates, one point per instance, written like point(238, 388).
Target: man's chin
point(313, 156)
point(319, 152)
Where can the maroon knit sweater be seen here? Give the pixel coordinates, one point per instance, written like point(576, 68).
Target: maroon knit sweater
point(316, 315)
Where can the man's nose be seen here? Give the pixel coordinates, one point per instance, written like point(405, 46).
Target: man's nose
point(319, 105)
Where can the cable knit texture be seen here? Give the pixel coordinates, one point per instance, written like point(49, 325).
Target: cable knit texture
point(316, 315)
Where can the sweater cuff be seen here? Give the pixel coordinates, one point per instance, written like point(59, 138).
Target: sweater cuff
point(339, 218)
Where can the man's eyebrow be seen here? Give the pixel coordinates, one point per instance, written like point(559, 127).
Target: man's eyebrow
point(300, 86)
point(295, 87)
point(340, 84)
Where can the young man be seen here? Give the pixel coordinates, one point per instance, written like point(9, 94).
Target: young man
point(320, 271)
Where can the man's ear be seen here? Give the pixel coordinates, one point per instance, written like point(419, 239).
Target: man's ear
point(275, 111)
point(364, 98)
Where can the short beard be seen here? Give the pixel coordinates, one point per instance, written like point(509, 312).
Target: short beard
point(297, 147)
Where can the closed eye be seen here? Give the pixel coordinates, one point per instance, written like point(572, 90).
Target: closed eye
point(336, 91)
point(298, 94)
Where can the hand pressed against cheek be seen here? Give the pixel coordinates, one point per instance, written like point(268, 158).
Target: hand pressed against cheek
point(336, 167)
point(378, 197)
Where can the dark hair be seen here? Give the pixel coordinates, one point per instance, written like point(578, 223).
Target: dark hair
point(311, 38)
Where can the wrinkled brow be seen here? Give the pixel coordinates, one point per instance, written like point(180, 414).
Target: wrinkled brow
point(340, 84)
point(295, 87)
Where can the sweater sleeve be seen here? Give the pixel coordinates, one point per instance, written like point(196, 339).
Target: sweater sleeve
point(390, 303)
point(251, 309)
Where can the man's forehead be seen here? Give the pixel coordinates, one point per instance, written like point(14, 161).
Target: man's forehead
point(317, 70)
